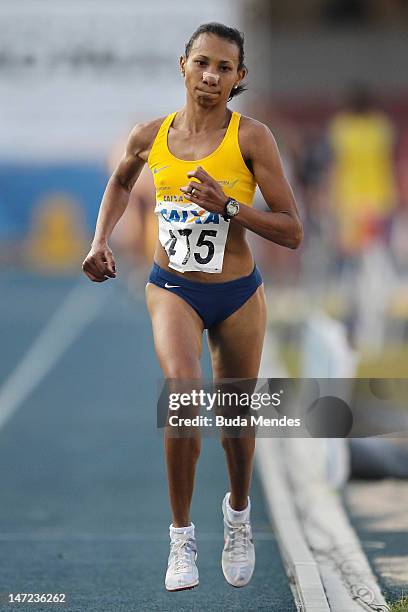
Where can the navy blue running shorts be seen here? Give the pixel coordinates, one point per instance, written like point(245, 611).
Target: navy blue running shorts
point(214, 302)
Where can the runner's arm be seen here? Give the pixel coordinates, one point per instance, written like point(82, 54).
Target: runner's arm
point(283, 226)
point(99, 264)
point(116, 196)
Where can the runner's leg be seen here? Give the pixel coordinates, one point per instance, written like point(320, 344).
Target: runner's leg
point(236, 348)
point(179, 354)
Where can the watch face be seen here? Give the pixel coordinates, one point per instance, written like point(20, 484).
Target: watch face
point(232, 208)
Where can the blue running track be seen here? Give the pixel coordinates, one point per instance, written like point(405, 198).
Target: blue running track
point(84, 507)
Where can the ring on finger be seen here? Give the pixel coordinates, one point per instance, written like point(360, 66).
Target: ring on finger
point(193, 191)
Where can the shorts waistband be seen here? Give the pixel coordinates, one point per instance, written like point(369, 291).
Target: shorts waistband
point(184, 282)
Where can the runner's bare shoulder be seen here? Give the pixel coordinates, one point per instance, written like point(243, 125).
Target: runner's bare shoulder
point(142, 137)
point(137, 151)
point(252, 133)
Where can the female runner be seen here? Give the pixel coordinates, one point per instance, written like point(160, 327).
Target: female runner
point(206, 161)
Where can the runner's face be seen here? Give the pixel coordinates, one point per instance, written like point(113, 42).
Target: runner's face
point(211, 69)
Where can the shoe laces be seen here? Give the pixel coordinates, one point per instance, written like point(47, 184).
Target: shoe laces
point(181, 550)
point(239, 535)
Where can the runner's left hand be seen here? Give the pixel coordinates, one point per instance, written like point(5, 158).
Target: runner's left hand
point(207, 193)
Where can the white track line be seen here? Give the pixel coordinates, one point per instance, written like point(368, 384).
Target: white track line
point(78, 309)
point(324, 560)
point(346, 574)
point(300, 563)
point(301, 567)
point(144, 536)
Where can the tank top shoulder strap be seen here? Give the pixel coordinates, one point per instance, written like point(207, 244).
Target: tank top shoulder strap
point(231, 138)
point(234, 124)
point(160, 141)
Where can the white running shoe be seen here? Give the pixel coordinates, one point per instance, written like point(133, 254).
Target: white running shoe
point(182, 572)
point(238, 556)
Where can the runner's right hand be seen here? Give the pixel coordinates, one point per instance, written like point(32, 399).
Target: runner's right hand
point(99, 264)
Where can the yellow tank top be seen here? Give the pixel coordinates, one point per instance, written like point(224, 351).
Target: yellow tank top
point(193, 237)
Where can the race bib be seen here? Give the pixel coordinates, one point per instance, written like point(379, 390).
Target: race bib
point(193, 238)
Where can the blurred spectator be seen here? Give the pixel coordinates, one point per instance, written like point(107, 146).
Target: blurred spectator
point(57, 239)
point(364, 198)
point(363, 182)
point(339, 12)
point(279, 266)
point(402, 165)
point(313, 164)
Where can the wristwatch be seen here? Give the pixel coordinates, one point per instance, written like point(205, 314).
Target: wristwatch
point(231, 208)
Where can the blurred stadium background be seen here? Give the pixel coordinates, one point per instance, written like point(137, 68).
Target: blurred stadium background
point(329, 79)
point(76, 77)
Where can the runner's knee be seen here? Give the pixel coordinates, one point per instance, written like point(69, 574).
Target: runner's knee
point(183, 369)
